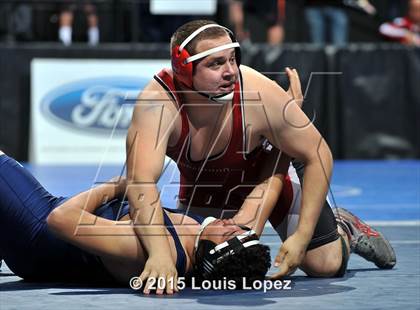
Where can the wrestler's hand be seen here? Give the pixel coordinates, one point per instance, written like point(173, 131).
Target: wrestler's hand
point(295, 88)
point(157, 268)
point(290, 256)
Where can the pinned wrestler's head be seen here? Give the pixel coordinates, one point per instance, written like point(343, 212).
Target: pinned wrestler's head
point(205, 58)
point(224, 250)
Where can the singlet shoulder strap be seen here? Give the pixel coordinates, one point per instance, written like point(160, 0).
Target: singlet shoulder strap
point(165, 79)
point(237, 144)
point(181, 258)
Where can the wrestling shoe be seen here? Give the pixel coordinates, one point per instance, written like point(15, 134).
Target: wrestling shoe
point(366, 241)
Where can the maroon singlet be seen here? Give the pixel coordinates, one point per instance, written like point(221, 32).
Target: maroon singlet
point(224, 180)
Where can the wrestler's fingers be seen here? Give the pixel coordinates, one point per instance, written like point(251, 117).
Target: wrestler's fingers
point(176, 289)
point(290, 75)
point(151, 280)
point(296, 87)
point(280, 257)
point(296, 80)
point(144, 275)
point(294, 83)
point(289, 91)
point(161, 284)
point(170, 284)
point(283, 271)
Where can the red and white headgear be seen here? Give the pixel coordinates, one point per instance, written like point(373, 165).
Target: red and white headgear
point(182, 61)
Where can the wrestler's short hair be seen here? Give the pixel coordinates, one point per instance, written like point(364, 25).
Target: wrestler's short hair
point(185, 30)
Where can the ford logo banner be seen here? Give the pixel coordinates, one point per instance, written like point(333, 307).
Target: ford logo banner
point(97, 105)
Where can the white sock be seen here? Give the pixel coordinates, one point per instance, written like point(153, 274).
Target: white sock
point(93, 35)
point(64, 35)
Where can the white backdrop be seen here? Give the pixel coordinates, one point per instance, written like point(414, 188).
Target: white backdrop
point(79, 111)
point(186, 7)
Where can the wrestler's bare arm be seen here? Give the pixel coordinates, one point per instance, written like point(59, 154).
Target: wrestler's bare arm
point(259, 204)
point(146, 147)
point(292, 132)
point(74, 222)
point(284, 124)
point(114, 241)
point(147, 140)
point(280, 119)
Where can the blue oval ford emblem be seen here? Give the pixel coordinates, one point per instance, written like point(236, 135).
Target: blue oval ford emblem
point(99, 105)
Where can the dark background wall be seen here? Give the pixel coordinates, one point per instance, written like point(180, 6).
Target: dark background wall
point(364, 98)
point(130, 21)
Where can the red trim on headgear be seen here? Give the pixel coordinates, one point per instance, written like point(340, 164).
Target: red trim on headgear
point(183, 71)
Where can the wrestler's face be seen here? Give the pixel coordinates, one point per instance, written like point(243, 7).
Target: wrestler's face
point(220, 231)
point(216, 74)
point(414, 11)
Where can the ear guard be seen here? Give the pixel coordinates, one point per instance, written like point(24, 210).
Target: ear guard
point(182, 61)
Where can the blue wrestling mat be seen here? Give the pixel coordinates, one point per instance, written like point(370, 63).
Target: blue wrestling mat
point(374, 190)
point(384, 193)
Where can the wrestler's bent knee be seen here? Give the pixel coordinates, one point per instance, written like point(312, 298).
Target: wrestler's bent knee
point(324, 261)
